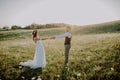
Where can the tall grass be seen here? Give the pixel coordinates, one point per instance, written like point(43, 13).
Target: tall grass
point(110, 27)
point(92, 57)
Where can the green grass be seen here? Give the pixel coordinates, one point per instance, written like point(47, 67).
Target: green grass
point(92, 57)
point(22, 34)
point(110, 27)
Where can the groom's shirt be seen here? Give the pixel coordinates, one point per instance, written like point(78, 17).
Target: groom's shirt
point(67, 37)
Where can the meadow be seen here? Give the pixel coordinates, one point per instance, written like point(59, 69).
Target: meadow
point(93, 56)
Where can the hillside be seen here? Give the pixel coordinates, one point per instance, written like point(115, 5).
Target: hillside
point(108, 27)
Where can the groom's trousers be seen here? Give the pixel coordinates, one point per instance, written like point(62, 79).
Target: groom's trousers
point(67, 49)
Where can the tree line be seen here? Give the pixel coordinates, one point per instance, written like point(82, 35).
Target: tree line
point(35, 26)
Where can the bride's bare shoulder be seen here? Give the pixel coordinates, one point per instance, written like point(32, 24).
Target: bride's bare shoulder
point(37, 38)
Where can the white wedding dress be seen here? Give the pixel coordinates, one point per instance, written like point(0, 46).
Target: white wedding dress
point(39, 59)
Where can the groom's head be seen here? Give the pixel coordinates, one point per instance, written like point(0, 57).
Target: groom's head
point(68, 28)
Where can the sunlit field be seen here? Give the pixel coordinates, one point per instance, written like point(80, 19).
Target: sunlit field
point(92, 56)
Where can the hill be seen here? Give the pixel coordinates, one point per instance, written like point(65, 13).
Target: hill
point(108, 27)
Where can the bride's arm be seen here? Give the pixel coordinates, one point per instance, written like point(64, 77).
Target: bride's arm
point(48, 38)
point(44, 38)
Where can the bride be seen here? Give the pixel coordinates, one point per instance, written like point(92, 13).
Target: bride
point(39, 59)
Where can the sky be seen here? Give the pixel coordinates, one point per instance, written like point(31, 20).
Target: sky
point(76, 12)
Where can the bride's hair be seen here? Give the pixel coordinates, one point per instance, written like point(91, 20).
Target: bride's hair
point(34, 33)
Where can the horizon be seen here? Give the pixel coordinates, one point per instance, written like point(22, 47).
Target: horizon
point(64, 23)
point(55, 11)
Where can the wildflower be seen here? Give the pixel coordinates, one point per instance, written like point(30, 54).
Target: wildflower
point(33, 78)
point(58, 76)
point(68, 68)
point(112, 69)
point(79, 74)
point(20, 67)
point(67, 64)
point(23, 77)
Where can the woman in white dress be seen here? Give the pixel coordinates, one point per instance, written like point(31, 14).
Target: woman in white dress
point(39, 59)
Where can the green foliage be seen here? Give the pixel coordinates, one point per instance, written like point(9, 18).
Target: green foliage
point(13, 35)
point(15, 27)
point(6, 28)
point(39, 26)
point(22, 34)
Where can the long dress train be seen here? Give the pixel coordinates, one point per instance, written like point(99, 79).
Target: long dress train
point(39, 59)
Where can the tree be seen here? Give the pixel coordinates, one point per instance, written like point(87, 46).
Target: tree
point(15, 27)
point(32, 26)
point(6, 27)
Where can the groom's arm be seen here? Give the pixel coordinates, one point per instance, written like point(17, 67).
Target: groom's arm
point(62, 36)
point(54, 37)
point(59, 36)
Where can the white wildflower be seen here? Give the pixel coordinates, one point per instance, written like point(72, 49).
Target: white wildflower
point(58, 76)
point(33, 78)
point(68, 68)
point(79, 74)
point(67, 64)
point(112, 69)
point(20, 67)
point(23, 77)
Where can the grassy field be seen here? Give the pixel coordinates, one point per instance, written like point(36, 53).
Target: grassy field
point(109, 27)
point(92, 56)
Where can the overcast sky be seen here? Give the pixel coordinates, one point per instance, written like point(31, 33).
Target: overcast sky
point(79, 12)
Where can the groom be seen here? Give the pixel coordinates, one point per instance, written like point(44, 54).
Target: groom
point(67, 35)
